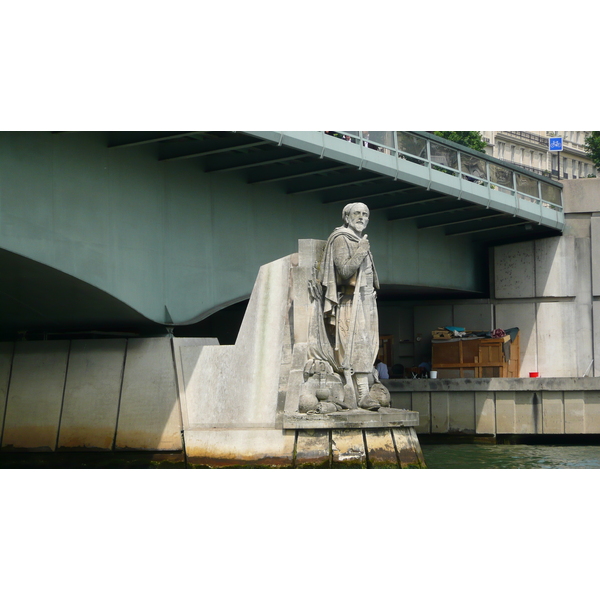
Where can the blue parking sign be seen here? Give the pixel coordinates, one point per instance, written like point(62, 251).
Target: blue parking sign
point(556, 144)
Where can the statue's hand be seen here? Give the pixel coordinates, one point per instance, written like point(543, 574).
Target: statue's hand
point(364, 245)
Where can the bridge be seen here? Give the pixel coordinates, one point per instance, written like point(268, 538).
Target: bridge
point(138, 231)
point(409, 175)
point(414, 175)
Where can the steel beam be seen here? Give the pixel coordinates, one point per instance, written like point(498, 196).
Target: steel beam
point(387, 188)
point(443, 208)
point(284, 172)
point(464, 229)
point(245, 160)
point(335, 181)
point(119, 139)
point(463, 217)
point(196, 148)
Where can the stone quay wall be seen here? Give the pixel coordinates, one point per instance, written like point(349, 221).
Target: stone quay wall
point(100, 394)
point(501, 406)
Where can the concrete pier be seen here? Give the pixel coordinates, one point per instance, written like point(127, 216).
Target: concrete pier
point(218, 406)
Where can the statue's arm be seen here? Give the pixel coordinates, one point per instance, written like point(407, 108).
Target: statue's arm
point(348, 260)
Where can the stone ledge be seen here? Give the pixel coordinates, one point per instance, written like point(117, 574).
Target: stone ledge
point(496, 384)
point(353, 419)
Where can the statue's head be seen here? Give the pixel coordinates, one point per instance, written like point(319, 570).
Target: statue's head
point(356, 216)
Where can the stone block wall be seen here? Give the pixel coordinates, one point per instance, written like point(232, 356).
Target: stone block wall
point(491, 407)
point(550, 289)
point(111, 394)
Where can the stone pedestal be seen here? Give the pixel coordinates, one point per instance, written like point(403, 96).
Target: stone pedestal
point(357, 438)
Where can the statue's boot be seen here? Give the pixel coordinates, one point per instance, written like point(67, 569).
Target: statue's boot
point(350, 399)
point(368, 403)
point(365, 400)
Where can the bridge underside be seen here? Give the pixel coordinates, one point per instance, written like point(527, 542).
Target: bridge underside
point(35, 297)
point(38, 298)
point(37, 301)
point(299, 172)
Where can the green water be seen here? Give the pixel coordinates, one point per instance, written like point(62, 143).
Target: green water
point(518, 456)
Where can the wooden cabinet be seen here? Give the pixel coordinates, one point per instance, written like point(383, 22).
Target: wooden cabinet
point(476, 357)
point(385, 349)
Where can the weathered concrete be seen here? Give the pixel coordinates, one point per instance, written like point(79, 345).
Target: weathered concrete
point(584, 325)
point(348, 449)
point(313, 448)
point(485, 413)
point(231, 397)
point(581, 195)
point(35, 395)
point(554, 272)
point(543, 268)
point(381, 451)
point(149, 414)
point(408, 448)
point(556, 339)
point(514, 270)
point(565, 405)
point(92, 390)
point(240, 447)
point(558, 282)
point(479, 317)
point(187, 352)
point(353, 419)
point(238, 386)
point(595, 241)
point(522, 316)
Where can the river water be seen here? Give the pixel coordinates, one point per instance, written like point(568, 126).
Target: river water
point(518, 456)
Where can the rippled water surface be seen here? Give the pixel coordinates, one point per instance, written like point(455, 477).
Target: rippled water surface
point(484, 456)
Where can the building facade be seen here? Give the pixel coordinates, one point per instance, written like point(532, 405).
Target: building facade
point(530, 150)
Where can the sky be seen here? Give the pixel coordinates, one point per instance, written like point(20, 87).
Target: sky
point(134, 65)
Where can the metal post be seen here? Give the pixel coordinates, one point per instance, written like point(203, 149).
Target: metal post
point(460, 174)
point(428, 152)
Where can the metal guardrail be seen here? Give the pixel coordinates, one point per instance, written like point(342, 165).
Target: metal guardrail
point(526, 135)
point(458, 161)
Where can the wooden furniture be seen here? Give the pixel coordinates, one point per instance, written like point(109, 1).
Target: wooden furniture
point(385, 349)
point(475, 357)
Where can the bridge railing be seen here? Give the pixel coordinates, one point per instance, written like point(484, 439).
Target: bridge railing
point(453, 159)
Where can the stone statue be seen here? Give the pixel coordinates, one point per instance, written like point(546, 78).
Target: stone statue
point(345, 332)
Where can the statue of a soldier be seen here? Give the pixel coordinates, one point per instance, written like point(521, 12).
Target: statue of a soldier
point(349, 280)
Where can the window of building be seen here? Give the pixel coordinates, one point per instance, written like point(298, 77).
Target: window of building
point(501, 146)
